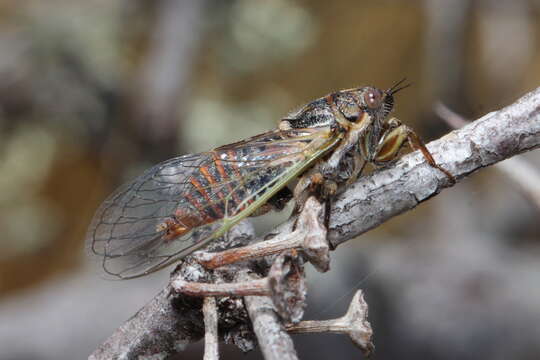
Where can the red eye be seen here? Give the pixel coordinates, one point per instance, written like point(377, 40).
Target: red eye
point(373, 98)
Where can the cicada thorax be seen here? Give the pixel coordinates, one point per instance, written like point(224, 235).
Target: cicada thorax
point(330, 110)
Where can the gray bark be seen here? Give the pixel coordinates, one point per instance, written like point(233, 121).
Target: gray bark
point(274, 341)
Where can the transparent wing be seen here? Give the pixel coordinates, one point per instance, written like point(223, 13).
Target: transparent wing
point(178, 206)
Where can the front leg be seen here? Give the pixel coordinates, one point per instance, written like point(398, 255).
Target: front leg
point(394, 138)
point(307, 185)
point(359, 164)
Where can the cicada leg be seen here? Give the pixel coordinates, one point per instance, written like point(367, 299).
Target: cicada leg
point(359, 164)
point(393, 140)
point(307, 185)
point(314, 183)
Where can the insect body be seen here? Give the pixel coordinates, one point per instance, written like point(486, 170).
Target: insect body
point(182, 204)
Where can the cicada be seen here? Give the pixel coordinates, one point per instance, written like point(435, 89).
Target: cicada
point(182, 204)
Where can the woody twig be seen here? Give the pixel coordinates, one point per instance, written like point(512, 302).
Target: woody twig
point(273, 339)
point(211, 339)
point(284, 285)
point(354, 324)
point(309, 236)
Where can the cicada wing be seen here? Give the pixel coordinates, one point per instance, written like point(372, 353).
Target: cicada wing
point(124, 229)
point(180, 205)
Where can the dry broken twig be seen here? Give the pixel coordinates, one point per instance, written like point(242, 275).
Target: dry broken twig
point(168, 323)
point(354, 324)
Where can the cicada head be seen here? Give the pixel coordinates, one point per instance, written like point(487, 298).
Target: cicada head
point(378, 103)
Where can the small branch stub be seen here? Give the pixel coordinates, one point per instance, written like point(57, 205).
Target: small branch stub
point(258, 287)
point(354, 324)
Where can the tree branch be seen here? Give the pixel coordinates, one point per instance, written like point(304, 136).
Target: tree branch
point(161, 327)
point(164, 327)
point(521, 172)
point(274, 341)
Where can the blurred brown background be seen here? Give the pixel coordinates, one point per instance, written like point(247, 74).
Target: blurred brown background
point(93, 92)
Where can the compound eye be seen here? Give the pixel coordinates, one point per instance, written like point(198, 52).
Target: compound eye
point(373, 99)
